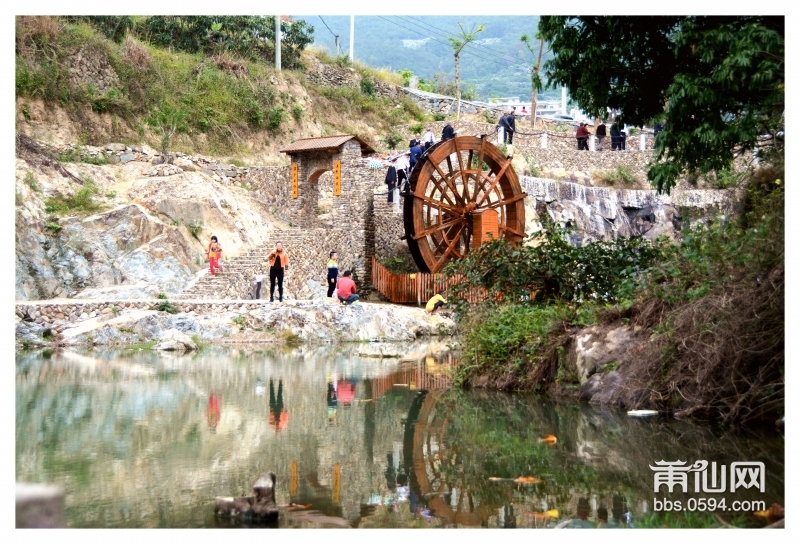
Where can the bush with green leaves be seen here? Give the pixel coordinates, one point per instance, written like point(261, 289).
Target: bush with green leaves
point(81, 201)
point(298, 111)
point(553, 269)
point(438, 116)
point(367, 86)
point(393, 139)
point(621, 174)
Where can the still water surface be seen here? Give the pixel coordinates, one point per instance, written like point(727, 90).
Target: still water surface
point(138, 439)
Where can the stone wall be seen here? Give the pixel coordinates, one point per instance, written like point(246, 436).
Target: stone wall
point(436, 103)
point(388, 228)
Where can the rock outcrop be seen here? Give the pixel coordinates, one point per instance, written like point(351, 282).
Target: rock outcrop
point(309, 321)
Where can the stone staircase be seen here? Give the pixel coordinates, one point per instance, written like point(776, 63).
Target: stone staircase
point(235, 281)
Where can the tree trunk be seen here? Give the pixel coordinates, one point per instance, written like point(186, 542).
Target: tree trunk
point(458, 92)
point(534, 102)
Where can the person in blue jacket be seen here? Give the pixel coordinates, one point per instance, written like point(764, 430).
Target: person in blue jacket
point(333, 273)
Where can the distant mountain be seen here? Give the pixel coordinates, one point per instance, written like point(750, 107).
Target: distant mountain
point(497, 63)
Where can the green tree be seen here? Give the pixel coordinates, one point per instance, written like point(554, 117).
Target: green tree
point(536, 81)
point(717, 81)
point(458, 44)
point(250, 36)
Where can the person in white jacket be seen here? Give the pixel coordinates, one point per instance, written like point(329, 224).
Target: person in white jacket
point(428, 139)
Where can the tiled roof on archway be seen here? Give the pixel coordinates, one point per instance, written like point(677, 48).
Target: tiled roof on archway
point(326, 142)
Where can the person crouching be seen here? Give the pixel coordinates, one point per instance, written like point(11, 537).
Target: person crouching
point(346, 289)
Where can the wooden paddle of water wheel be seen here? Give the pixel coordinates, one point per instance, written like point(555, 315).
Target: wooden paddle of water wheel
point(463, 191)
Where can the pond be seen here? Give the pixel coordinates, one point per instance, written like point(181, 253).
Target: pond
point(139, 439)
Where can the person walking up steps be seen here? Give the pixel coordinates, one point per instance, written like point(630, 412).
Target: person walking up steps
point(333, 274)
point(347, 289)
point(278, 261)
point(214, 253)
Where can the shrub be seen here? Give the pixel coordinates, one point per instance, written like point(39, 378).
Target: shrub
point(393, 139)
point(438, 116)
point(81, 201)
point(166, 306)
point(195, 228)
point(30, 181)
point(297, 112)
point(417, 128)
point(276, 116)
point(367, 86)
point(621, 174)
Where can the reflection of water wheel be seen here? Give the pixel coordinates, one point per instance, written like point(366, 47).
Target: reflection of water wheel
point(450, 190)
point(430, 458)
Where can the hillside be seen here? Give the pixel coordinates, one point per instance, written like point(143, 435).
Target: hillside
point(497, 63)
point(74, 85)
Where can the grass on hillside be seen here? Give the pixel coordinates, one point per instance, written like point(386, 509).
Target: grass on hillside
point(187, 102)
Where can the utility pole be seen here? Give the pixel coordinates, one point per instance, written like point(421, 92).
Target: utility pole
point(336, 46)
point(564, 100)
point(352, 34)
point(278, 43)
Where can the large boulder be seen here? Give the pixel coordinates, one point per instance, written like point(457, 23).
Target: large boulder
point(175, 340)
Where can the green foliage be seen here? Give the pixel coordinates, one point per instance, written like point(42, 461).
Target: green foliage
point(393, 139)
point(82, 200)
point(721, 77)
point(400, 264)
point(252, 37)
point(438, 116)
point(166, 306)
point(111, 194)
point(195, 228)
point(240, 320)
point(367, 86)
point(53, 227)
point(621, 174)
point(553, 269)
point(162, 296)
point(297, 112)
point(30, 181)
point(417, 128)
point(276, 116)
point(406, 74)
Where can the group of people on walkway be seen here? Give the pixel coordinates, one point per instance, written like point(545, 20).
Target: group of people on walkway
point(344, 288)
point(618, 137)
point(400, 167)
point(509, 126)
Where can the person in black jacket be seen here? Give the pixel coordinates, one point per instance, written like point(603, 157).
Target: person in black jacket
point(512, 125)
point(600, 132)
point(414, 155)
point(391, 179)
point(503, 123)
point(415, 141)
point(447, 132)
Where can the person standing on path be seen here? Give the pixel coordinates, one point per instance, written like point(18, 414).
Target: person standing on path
point(600, 133)
point(347, 289)
point(214, 253)
point(278, 262)
point(428, 139)
point(512, 126)
point(503, 123)
point(448, 133)
point(333, 273)
point(614, 136)
point(414, 155)
point(391, 180)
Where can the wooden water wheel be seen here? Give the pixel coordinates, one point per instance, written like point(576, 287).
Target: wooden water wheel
point(461, 189)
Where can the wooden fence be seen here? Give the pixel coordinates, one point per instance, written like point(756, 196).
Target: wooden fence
point(413, 288)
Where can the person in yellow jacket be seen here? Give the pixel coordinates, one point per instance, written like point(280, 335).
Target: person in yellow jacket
point(435, 303)
point(278, 261)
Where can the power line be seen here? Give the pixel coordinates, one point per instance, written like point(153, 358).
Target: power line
point(496, 51)
point(444, 43)
point(469, 51)
point(335, 36)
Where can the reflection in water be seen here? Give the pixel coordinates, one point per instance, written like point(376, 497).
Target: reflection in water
point(278, 416)
point(142, 440)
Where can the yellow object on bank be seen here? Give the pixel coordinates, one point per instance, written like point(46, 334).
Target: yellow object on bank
point(432, 302)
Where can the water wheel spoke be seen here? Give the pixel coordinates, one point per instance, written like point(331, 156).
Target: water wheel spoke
point(480, 177)
point(461, 170)
point(438, 204)
point(507, 201)
point(438, 227)
point(447, 179)
point(497, 179)
point(449, 249)
point(443, 191)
